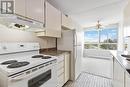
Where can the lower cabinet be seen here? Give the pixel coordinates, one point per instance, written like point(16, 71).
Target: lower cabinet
point(119, 74)
point(61, 80)
point(127, 80)
point(67, 66)
point(60, 70)
point(63, 69)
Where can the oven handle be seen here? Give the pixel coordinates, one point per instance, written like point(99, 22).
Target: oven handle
point(18, 78)
point(22, 77)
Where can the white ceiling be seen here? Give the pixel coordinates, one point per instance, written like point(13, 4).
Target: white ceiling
point(87, 12)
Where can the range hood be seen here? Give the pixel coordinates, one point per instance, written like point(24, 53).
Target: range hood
point(18, 22)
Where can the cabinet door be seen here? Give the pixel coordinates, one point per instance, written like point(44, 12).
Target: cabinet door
point(53, 21)
point(67, 65)
point(20, 6)
point(67, 22)
point(118, 75)
point(35, 10)
point(127, 80)
point(60, 80)
point(60, 70)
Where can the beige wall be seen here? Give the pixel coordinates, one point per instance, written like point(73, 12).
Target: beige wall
point(127, 11)
point(13, 35)
point(127, 14)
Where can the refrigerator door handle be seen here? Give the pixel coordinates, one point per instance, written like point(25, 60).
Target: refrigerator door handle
point(75, 44)
point(75, 38)
point(75, 54)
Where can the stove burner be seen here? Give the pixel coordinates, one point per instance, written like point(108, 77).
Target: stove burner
point(37, 56)
point(9, 62)
point(41, 56)
point(17, 64)
point(46, 57)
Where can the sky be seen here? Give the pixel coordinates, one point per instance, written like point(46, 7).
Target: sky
point(92, 36)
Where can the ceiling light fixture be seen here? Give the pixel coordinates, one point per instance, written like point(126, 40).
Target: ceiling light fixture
point(99, 26)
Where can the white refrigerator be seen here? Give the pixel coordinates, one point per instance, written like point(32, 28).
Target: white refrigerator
point(73, 41)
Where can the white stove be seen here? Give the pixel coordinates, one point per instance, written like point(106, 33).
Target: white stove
point(32, 63)
point(21, 65)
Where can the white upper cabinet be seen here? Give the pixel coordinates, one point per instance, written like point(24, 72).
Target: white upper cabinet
point(67, 22)
point(41, 11)
point(35, 10)
point(20, 7)
point(53, 20)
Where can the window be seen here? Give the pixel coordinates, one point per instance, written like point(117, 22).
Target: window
point(101, 39)
point(91, 39)
point(126, 35)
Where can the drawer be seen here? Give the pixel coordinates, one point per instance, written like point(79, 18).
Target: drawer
point(61, 80)
point(60, 71)
point(60, 58)
point(60, 65)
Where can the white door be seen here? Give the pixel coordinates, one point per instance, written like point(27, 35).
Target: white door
point(78, 57)
point(78, 47)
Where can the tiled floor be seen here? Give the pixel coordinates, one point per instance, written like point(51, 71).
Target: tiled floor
point(89, 80)
point(97, 66)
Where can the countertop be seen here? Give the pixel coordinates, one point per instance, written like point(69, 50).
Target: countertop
point(122, 60)
point(54, 52)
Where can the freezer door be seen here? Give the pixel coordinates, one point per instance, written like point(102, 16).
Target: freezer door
point(78, 38)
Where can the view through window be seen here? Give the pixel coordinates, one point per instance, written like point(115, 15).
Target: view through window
point(101, 39)
point(126, 35)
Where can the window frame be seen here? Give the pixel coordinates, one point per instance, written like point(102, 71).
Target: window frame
point(125, 35)
point(99, 43)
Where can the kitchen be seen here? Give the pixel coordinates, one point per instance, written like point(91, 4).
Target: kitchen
point(49, 39)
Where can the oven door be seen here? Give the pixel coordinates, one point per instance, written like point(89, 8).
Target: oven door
point(44, 77)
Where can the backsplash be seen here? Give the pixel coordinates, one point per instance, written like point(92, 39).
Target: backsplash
point(12, 35)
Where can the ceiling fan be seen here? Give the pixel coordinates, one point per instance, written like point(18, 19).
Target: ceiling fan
point(99, 26)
